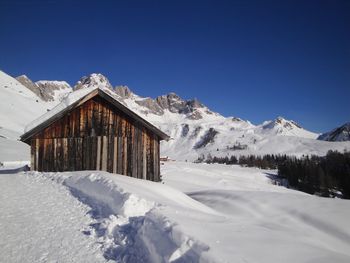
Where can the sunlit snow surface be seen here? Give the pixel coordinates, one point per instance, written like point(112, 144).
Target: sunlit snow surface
point(20, 107)
point(200, 213)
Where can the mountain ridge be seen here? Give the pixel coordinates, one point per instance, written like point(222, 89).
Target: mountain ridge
point(195, 129)
point(341, 133)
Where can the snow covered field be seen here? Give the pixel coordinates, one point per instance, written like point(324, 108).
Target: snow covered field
point(200, 213)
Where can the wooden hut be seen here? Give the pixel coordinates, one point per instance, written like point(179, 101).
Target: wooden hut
point(95, 132)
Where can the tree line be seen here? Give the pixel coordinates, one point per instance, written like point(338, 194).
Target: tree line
point(326, 176)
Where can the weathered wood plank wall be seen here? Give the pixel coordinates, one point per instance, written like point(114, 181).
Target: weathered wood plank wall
point(96, 136)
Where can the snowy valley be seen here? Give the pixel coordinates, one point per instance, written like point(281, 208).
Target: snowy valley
point(194, 129)
point(198, 213)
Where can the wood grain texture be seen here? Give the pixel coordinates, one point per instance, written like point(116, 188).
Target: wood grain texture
point(97, 136)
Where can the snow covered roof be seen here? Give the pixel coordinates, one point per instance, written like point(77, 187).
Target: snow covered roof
point(72, 100)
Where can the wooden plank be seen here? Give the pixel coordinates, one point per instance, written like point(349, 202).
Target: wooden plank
point(120, 156)
point(115, 154)
point(89, 118)
point(48, 155)
point(54, 149)
point(158, 158)
point(86, 152)
point(98, 157)
point(71, 155)
point(155, 159)
point(134, 151)
point(79, 151)
point(104, 158)
point(65, 154)
point(125, 154)
point(57, 155)
point(138, 152)
point(110, 154)
point(40, 155)
point(93, 152)
point(36, 166)
point(32, 155)
point(144, 159)
point(45, 162)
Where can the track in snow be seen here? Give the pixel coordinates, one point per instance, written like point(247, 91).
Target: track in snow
point(40, 221)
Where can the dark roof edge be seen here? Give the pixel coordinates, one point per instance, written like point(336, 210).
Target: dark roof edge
point(134, 115)
point(109, 98)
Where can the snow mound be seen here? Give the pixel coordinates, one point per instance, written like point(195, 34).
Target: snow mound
point(129, 227)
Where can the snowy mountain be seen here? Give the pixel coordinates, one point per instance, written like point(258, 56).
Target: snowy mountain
point(45, 89)
point(19, 105)
point(195, 129)
point(94, 80)
point(341, 133)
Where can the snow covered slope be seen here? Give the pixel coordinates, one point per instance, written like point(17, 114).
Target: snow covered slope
point(53, 90)
point(195, 130)
point(18, 104)
point(21, 104)
point(45, 89)
point(202, 213)
point(341, 133)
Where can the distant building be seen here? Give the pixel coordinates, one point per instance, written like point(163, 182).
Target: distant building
point(94, 131)
point(165, 159)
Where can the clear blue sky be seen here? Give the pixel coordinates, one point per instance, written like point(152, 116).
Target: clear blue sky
point(252, 59)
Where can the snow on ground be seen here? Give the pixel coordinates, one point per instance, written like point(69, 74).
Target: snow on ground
point(40, 221)
point(13, 151)
point(200, 213)
point(263, 222)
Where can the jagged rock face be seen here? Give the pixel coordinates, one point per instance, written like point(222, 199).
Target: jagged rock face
point(45, 90)
point(151, 105)
point(25, 81)
point(281, 122)
point(341, 133)
point(49, 88)
point(93, 80)
point(196, 131)
point(123, 91)
point(185, 130)
point(195, 115)
point(286, 124)
point(195, 103)
point(207, 138)
point(236, 119)
point(175, 104)
point(171, 102)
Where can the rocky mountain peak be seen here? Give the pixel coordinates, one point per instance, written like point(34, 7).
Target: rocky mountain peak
point(175, 104)
point(236, 119)
point(23, 78)
point(45, 89)
point(281, 124)
point(288, 124)
point(341, 133)
point(171, 102)
point(195, 103)
point(25, 81)
point(123, 91)
point(93, 80)
point(51, 90)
